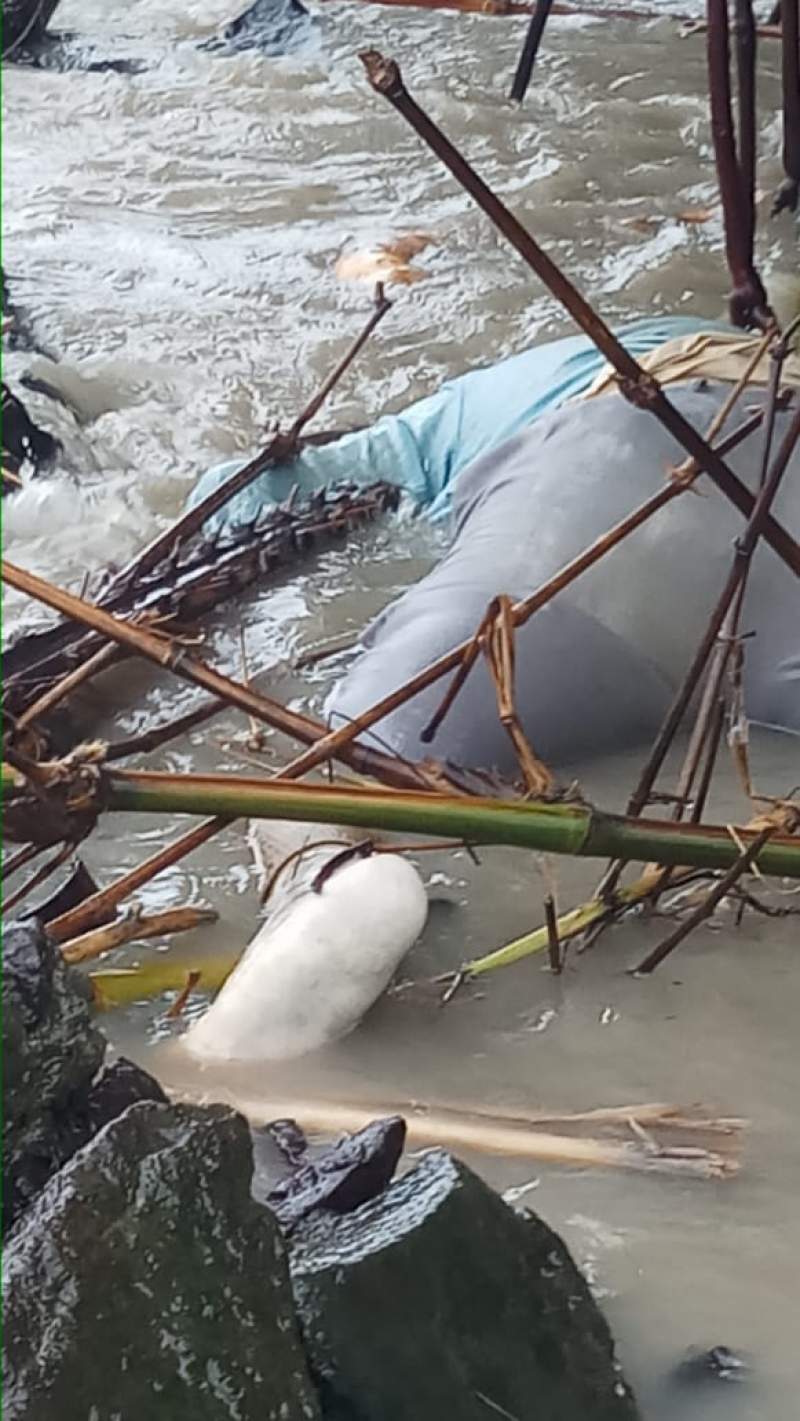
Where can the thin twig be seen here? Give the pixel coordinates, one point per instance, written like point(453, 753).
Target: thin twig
point(159, 735)
point(179, 1004)
point(163, 653)
point(280, 448)
point(132, 928)
point(39, 877)
point(553, 943)
point(706, 908)
point(102, 658)
point(19, 860)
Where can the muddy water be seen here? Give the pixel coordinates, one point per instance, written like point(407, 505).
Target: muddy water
point(174, 234)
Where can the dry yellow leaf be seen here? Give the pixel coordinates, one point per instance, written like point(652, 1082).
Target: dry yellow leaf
point(377, 266)
point(407, 246)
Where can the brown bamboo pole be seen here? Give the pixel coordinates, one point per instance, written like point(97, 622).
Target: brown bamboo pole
point(743, 554)
point(95, 910)
point(163, 653)
point(530, 49)
point(747, 303)
point(637, 385)
point(744, 31)
point(789, 191)
point(133, 928)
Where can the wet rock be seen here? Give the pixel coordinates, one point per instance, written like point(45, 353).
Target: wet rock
point(22, 439)
point(19, 333)
point(437, 1300)
point(339, 1178)
point(272, 26)
point(24, 23)
point(55, 1096)
point(119, 1085)
point(712, 1364)
point(51, 1053)
point(145, 1282)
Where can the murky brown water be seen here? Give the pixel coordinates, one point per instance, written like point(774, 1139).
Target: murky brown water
point(174, 235)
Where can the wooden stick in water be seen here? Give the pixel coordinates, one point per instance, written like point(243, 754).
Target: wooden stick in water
point(637, 385)
point(132, 928)
point(515, 1138)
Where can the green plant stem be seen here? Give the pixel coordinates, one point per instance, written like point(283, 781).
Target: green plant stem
point(574, 829)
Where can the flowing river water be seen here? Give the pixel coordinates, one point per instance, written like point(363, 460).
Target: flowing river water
point(173, 235)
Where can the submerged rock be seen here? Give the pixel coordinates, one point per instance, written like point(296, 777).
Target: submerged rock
point(22, 439)
point(437, 1301)
point(25, 22)
point(271, 26)
point(712, 1364)
point(145, 1282)
point(53, 1097)
point(51, 1053)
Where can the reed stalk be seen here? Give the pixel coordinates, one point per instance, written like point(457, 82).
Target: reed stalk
point(572, 829)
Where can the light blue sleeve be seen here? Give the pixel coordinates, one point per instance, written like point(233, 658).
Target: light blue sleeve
point(423, 449)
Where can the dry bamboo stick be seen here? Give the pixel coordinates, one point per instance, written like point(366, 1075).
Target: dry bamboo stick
point(636, 384)
point(280, 448)
point(102, 658)
point(162, 652)
point(133, 927)
point(491, 1134)
point(95, 910)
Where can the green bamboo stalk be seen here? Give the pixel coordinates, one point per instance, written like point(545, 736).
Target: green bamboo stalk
point(573, 829)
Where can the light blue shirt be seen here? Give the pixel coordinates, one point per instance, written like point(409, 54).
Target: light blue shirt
point(424, 448)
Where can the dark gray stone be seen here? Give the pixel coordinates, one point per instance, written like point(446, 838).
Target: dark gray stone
point(340, 1177)
point(23, 441)
point(436, 1302)
point(145, 1282)
point(55, 1096)
point(51, 1053)
point(272, 26)
point(25, 21)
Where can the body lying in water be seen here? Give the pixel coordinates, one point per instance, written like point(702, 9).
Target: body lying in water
point(596, 668)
